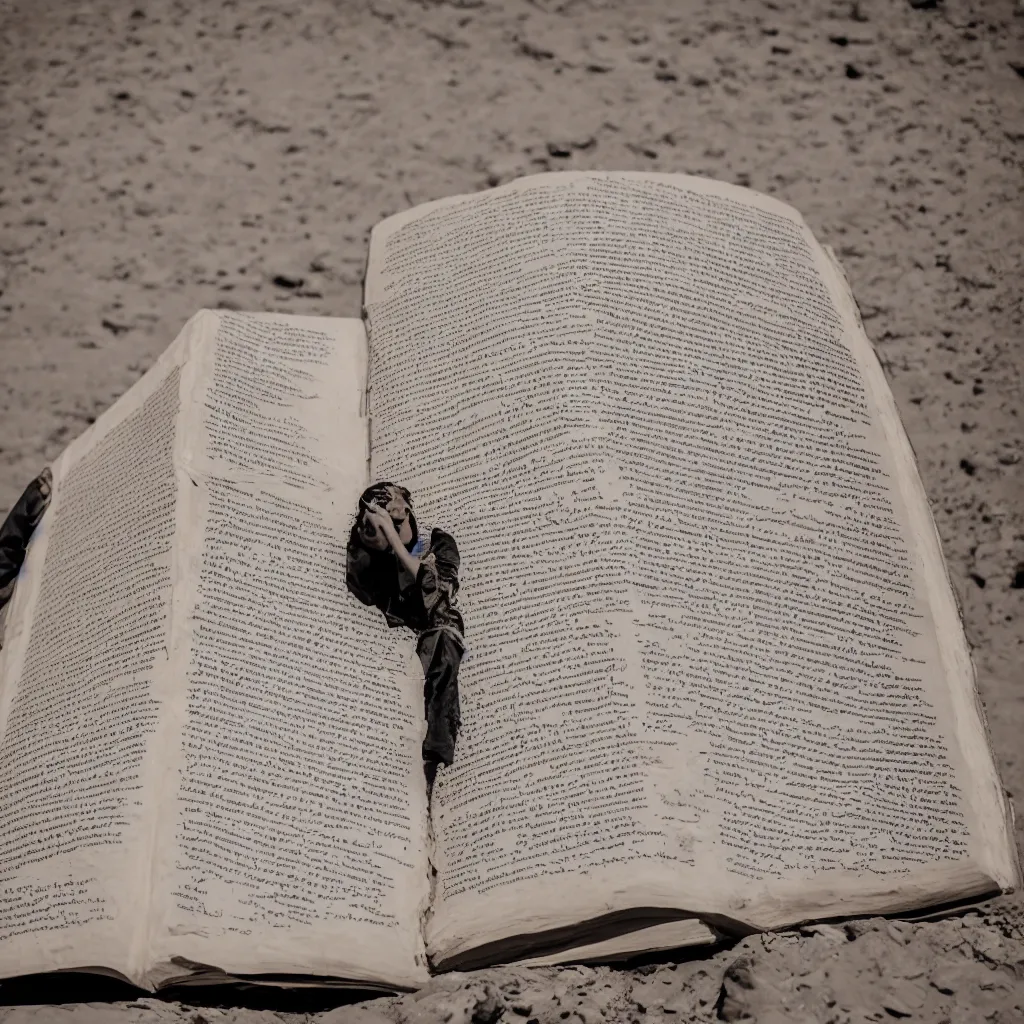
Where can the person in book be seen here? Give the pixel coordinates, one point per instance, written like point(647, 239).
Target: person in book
point(16, 531)
point(413, 580)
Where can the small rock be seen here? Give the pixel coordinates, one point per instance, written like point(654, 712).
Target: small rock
point(909, 994)
point(855, 929)
point(941, 980)
point(453, 999)
point(559, 149)
point(829, 932)
point(895, 1007)
point(988, 944)
point(503, 168)
point(852, 71)
point(737, 982)
point(488, 1008)
point(901, 931)
point(288, 281)
point(534, 51)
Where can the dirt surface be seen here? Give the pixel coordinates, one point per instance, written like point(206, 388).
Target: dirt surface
point(159, 157)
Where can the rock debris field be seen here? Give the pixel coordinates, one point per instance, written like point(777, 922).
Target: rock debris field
point(160, 157)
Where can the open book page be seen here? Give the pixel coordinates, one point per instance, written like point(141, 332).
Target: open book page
point(83, 681)
point(703, 667)
point(294, 807)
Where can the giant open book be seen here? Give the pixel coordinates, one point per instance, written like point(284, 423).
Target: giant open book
point(715, 681)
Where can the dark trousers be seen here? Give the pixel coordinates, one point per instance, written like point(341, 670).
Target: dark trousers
point(440, 652)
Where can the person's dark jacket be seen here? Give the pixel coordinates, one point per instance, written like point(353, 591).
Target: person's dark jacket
point(375, 579)
point(17, 529)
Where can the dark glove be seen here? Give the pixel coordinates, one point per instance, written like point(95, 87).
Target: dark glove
point(18, 527)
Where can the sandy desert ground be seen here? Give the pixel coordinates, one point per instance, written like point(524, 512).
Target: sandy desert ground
point(159, 156)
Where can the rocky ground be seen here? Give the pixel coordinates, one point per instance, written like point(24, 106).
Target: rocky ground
point(160, 156)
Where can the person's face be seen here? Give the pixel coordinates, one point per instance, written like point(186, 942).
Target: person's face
point(399, 510)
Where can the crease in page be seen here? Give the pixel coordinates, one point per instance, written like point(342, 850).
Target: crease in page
point(196, 335)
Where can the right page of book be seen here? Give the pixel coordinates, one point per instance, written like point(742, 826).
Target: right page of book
point(714, 662)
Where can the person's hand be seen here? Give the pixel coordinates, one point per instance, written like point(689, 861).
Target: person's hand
point(380, 519)
point(38, 493)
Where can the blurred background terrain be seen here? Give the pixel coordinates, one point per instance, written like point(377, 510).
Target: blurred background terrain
point(159, 156)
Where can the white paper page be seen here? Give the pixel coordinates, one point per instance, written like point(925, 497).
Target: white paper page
point(294, 833)
point(82, 686)
point(694, 675)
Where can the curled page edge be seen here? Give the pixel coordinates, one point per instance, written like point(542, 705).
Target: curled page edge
point(1015, 877)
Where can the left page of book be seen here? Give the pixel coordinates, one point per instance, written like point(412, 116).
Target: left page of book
point(83, 681)
point(292, 830)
